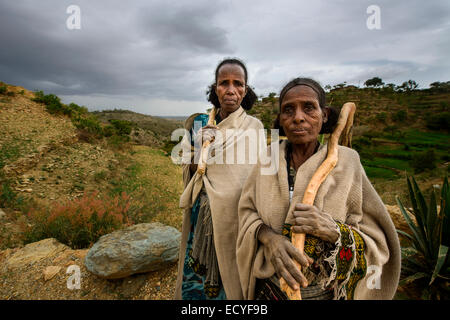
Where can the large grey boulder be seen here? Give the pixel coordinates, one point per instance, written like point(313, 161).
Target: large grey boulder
point(140, 248)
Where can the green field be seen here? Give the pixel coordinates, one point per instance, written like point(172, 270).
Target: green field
point(388, 157)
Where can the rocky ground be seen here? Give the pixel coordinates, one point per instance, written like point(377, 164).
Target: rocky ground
point(45, 162)
point(38, 272)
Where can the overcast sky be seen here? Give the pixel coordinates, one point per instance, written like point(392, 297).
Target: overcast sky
point(158, 57)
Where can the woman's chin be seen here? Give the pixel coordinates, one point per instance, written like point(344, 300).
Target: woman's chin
point(229, 108)
point(300, 139)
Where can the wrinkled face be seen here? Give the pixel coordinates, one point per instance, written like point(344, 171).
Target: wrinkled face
point(230, 87)
point(301, 116)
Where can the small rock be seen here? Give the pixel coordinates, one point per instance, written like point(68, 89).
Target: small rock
point(50, 272)
point(2, 214)
point(35, 251)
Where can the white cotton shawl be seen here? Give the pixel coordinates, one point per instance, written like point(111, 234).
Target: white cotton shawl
point(346, 194)
point(223, 185)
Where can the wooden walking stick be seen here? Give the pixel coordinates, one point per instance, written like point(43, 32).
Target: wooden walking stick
point(343, 127)
point(201, 168)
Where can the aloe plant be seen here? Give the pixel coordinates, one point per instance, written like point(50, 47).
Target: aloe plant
point(427, 257)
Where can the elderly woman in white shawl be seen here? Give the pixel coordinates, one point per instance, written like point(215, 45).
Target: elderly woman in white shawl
point(351, 250)
point(207, 264)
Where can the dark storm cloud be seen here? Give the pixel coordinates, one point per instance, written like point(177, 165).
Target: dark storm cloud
point(157, 55)
point(189, 28)
point(142, 50)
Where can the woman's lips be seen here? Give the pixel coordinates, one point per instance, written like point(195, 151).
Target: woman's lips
point(299, 131)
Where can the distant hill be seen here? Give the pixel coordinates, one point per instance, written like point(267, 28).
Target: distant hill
point(176, 118)
point(159, 128)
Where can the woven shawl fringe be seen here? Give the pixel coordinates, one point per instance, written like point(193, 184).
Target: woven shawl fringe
point(321, 279)
point(203, 249)
point(340, 291)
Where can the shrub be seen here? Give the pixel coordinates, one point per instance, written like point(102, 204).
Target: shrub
point(123, 127)
point(426, 260)
point(108, 131)
point(421, 161)
point(3, 89)
point(439, 121)
point(79, 223)
point(77, 109)
point(89, 124)
point(52, 103)
point(400, 116)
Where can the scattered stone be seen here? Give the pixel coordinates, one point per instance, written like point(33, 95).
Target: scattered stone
point(50, 272)
point(2, 214)
point(34, 252)
point(140, 248)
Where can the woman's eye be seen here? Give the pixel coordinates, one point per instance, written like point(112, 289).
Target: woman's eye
point(288, 109)
point(309, 107)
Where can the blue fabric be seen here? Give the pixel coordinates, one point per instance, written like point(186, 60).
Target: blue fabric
point(192, 286)
point(203, 118)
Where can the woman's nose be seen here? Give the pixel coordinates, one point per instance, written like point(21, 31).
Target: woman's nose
point(230, 89)
point(299, 116)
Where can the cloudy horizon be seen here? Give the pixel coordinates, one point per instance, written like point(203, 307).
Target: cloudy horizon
point(159, 57)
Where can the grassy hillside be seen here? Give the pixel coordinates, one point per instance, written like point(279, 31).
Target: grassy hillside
point(48, 157)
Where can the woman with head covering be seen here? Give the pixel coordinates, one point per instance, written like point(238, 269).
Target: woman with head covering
point(207, 264)
point(351, 250)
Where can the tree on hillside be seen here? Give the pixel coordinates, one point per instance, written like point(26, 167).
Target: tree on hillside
point(340, 85)
point(440, 86)
point(374, 82)
point(408, 85)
